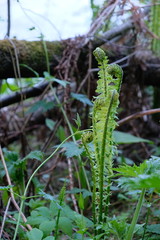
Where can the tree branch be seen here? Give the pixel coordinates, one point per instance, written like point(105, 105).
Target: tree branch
point(24, 94)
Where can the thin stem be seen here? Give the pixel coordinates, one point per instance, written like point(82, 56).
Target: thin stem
point(57, 222)
point(46, 54)
point(136, 215)
point(108, 198)
point(104, 79)
point(147, 216)
point(103, 151)
point(74, 139)
point(94, 182)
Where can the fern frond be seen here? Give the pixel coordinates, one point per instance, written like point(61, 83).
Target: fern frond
point(103, 120)
point(103, 124)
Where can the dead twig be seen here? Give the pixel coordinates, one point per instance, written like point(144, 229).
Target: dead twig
point(4, 217)
point(137, 115)
point(71, 186)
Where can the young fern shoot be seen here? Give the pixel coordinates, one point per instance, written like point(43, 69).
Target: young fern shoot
point(103, 124)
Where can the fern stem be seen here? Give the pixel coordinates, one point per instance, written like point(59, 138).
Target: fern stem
point(104, 79)
point(103, 151)
point(93, 180)
point(136, 215)
point(108, 199)
point(61, 199)
point(147, 216)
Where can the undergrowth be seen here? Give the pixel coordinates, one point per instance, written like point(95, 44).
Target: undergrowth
point(49, 216)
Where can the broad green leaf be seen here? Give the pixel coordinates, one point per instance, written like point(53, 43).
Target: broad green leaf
point(82, 222)
point(61, 133)
point(35, 203)
point(148, 181)
point(53, 79)
point(36, 220)
point(46, 75)
point(8, 87)
point(38, 155)
point(47, 227)
point(10, 156)
point(138, 227)
point(72, 149)
point(35, 234)
point(43, 105)
point(82, 98)
point(61, 82)
point(11, 86)
point(50, 123)
point(141, 181)
point(75, 190)
point(154, 228)
point(146, 175)
point(65, 225)
point(126, 138)
point(85, 192)
point(68, 213)
point(53, 209)
point(4, 87)
point(78, 121)
point(44, 211)
point(81, 201)
point(132, 171)
point(156, 213)
point(49, 238)
point(75, 217)
point(116, 227)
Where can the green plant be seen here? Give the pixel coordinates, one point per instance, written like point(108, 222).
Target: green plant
point(24, 196)
point(103, 124)
point(155, 26)
point(50, 217)
point(155, 45)
point(145, 176)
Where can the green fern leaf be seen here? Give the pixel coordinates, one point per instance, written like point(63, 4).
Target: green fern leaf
point(72, 149)
point(103, 124)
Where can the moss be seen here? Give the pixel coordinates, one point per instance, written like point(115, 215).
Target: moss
point(30, 53)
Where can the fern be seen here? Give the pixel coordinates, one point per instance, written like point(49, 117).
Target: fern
point(146, 175)
point(103, 124)
point(155, 26)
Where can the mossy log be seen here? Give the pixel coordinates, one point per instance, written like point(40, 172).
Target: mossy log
point(14, 53)
point(19, 57)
